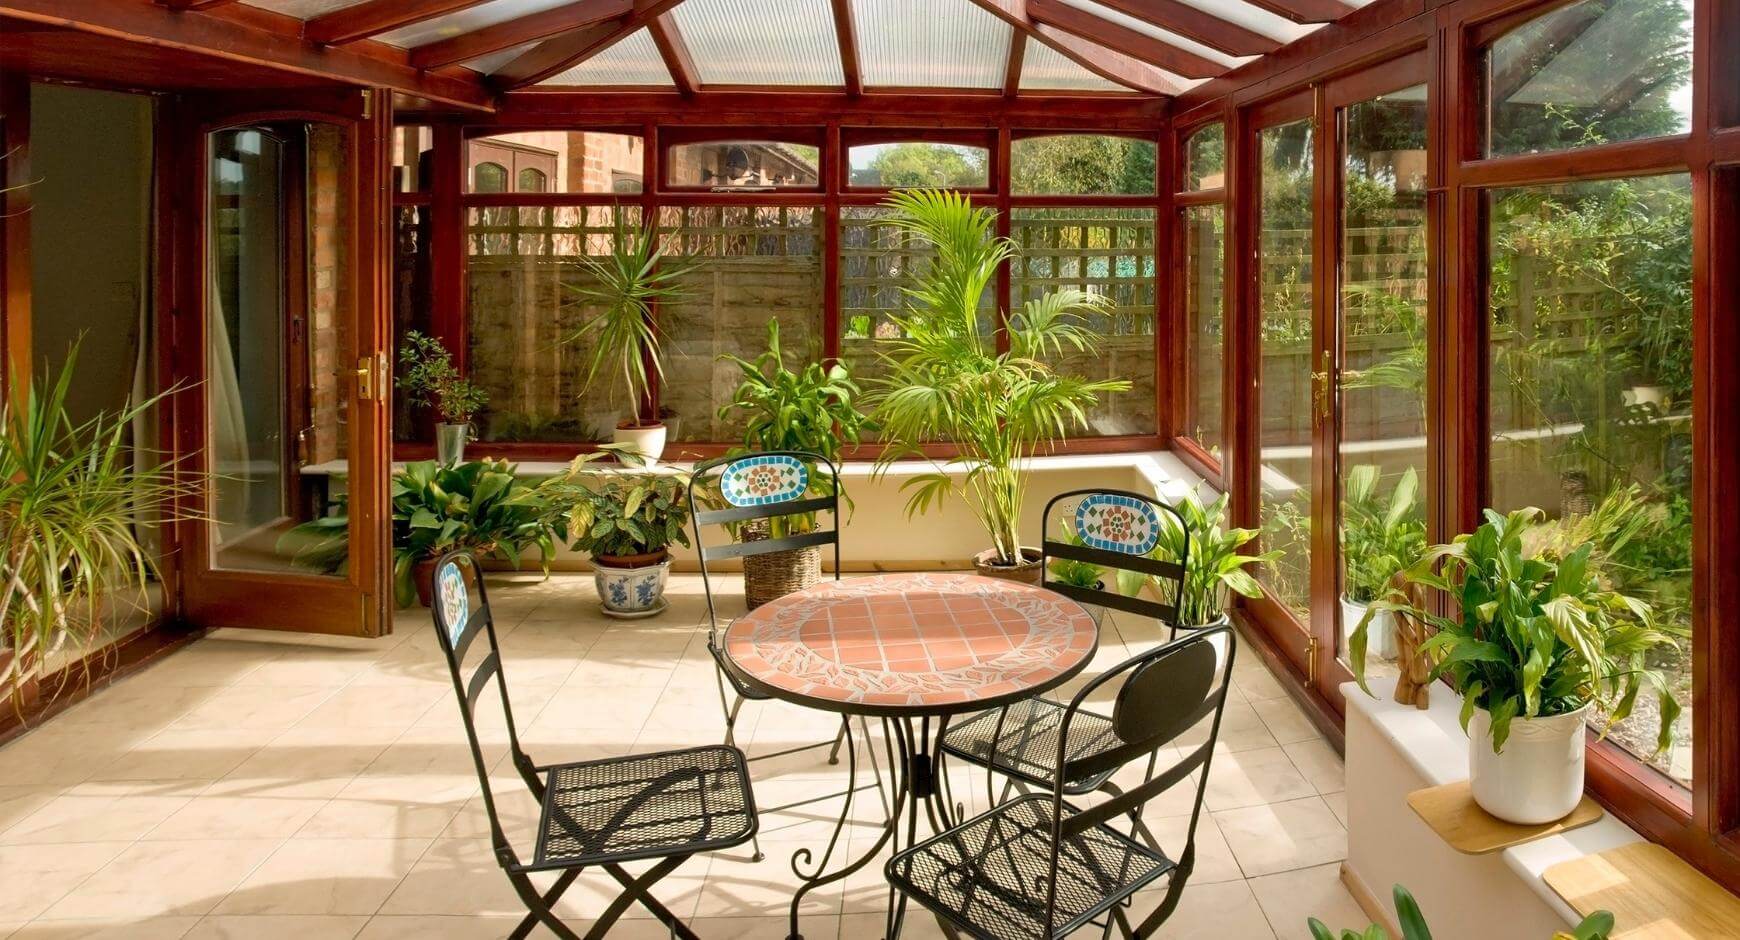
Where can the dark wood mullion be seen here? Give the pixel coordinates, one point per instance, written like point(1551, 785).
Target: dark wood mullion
point(447, 243)
point(1325, 577)
point(1005, 226)
point(833, 175)
point(15, 197)
point(1170, 342)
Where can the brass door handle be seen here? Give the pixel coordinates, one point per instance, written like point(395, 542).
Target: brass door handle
point(1321, 402)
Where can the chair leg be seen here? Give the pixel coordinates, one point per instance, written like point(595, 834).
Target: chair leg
point(541, 907)
point(947, 928)
point(635, 889)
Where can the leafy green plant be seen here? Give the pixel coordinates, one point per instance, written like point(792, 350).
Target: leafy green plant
point(1539, 632)
point(625, 285)
point(617, 513)
point(1597, 926)
point(479, 506)
point(1379, 537)
point(1214, 567)
point(1069, 571)
point(947, 381)
point(429, 378)
point(71, 499)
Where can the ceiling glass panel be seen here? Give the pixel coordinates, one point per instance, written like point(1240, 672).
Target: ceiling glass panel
point(633, 61)
point(464, 21)
point(1045, 69)
point(761, 42)
point(303, 9)
point(929, 44)
point(1255, 18)
point(1166, 36)
point(495, 60)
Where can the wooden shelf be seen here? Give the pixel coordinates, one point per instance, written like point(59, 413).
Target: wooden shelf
point(1452, 813)
point(1651, 892)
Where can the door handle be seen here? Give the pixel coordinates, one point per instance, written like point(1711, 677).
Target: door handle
point(371, 378)
point(1321, 402)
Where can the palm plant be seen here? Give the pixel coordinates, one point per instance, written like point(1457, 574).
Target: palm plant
point(71, 498)
point(949, 383)
point(625, 285)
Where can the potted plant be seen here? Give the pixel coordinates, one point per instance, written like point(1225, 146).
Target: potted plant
point(814, 411)
point(1541, 642)
point(481, 507)
point(1597, 926)
point(430, 379)
point(625, 286)
point(72, 495)
point(1214, 569)
point(1379, 537)
point(626, 521)
point(948, 383)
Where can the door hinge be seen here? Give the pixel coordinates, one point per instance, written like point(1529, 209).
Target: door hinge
point(368, 109)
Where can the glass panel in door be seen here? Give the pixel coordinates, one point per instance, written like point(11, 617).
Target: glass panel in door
point(1284, 301)
point(1381, 437)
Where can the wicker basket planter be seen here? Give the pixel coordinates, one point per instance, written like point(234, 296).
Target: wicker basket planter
point(772, 576)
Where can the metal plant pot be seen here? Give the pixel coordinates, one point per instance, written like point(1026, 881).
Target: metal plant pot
point(450, 443)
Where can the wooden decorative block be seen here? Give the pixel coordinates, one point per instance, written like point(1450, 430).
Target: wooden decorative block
point(1652, 893)
point(1452, 813)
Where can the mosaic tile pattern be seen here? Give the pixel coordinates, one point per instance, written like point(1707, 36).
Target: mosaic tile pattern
point(1117, 523)
point(925, 642)
point(455, 601)
point(764, 480)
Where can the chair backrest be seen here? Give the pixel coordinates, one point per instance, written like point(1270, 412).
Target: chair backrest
point(1161, 694)
point(768, 485)
point(1115, 530)
point(460, 607)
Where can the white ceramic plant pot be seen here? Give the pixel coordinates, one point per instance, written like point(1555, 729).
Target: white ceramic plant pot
point(1656, 395)
point(631, 592)
point(1538, 777)
point(649, 441)
point(1380, 637)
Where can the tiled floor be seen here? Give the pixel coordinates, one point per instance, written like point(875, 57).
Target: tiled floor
point(262, 785)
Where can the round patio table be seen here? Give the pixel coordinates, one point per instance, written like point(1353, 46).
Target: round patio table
point(912, 650)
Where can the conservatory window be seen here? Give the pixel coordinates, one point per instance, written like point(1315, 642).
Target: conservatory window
point(1081, 165)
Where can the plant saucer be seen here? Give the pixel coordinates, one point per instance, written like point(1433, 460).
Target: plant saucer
point(663, 605)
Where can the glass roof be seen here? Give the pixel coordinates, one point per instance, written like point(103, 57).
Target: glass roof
point(1045, 69)
point(633, 61)
point(465, 21)
point(1148, 29)
point(303, 9)
point(761, 42)
point(924, 43)
point(1254, 18)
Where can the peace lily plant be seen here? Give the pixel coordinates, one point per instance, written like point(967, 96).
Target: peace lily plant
point(948, 382)
point(1539, 641)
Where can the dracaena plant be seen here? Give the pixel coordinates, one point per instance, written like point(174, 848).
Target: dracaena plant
point(948, 382)
point(1215, 567)
point(625, 285)
point(1538, 632)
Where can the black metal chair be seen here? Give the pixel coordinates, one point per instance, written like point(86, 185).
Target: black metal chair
point(1114, 530)
point(667, 805)
point(1042, 867)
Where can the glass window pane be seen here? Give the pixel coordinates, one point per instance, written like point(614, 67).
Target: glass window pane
point(743, 164)
point(1591, 73)
point(413, 153)
point(1204, 260)
point(523, 313)
point(1284, 282)
point(1109, 252)
point(413, 303)
point(748, 264)
point(1590, 318)
point(917, 164)
point(1382, 436)
point(1081, 165)
point(561, 161)
point(1205, 159)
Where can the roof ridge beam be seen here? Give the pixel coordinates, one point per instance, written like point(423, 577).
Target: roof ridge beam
point(518, 31)
point(1200, 25)
point(373, 17)
point(556, 55)
point(1155, 52)
point(1107, 63)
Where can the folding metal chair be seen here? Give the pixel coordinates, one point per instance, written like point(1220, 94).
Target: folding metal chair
point(667, 805)
point(1041, 867)
point(1116, 530)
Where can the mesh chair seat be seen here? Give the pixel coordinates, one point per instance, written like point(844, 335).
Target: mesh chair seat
point(1025, 744)
point(988, 875)
point(645, 805)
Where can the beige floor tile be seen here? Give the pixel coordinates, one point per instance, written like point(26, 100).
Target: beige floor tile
point(39, 875)
point(218, 816)
point(300, 666)
point(448, 927)
point(1209, 912)
point(1241, 729)
point(457, 876)
point(1280, 837)
point(183, 754)
point(326, 876)
point(1319, 763)
point(154, 879)
point(359, 706)
point(147, 928)
point(16, 803)
point(1214, 858)
point(1251, 778)
point(96, 813)
point(62, 754)
point(750, 928)
point(1337, 804)
point(135, 703)
point(307, 762)
point(276, 927)
point(408, 806)
point(1290, 898)
point(1255, 682)
point(740, 888)
point(920, 924)
point(272, 707)
point(1286, 721)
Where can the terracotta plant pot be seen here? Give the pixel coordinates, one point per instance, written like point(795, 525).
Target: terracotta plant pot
point(423, 576)
point(1029, 571)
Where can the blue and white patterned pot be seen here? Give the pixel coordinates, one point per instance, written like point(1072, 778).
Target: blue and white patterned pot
point(631, 590)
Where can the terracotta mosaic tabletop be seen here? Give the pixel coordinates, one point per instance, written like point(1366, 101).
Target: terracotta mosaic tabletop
point(930, 644)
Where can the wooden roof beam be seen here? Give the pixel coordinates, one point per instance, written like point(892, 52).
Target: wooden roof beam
point(1109, 64)
point(519, 31)
point(1012, 69)
point(349, 24)
point(1200, 25)
point(183, 5)
point(847, 30)
point(556, 55)
point(675, 52)
point(1307, 11)
point(1158, 53)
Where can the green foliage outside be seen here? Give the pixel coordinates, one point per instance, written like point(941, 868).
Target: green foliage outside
point(1074, 164)
point(915, 165)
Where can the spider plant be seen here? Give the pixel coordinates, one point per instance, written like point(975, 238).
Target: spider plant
point(625, 285)
point(72, 494)
point(948, 382)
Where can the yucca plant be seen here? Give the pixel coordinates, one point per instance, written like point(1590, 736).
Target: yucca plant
point(72, 497)
point(948, 382)
point(625, 285)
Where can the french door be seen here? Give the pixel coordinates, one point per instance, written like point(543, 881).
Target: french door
point(279, 343)
point(1336, 295)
